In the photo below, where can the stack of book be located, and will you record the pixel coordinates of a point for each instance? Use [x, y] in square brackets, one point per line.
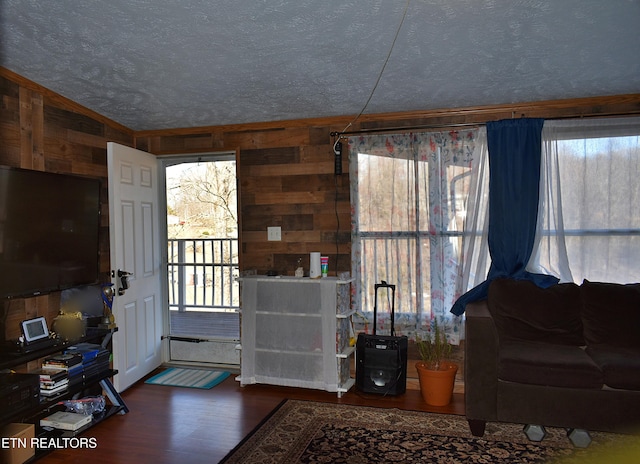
[95, 358]
[71, 363]
[53, 381]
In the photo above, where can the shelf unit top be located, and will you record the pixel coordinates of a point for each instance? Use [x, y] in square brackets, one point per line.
[9, 359]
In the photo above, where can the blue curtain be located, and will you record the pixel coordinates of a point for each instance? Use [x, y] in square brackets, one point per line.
[515, 147]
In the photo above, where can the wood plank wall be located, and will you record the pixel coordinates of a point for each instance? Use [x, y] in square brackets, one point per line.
[286, 171]
[286, 179]
[43, 131]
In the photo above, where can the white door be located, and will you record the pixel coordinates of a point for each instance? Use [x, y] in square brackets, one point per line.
[135, 248]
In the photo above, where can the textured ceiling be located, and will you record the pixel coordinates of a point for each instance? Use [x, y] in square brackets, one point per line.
[155, 64]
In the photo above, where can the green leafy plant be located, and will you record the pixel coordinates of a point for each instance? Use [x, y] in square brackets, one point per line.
[434, 348]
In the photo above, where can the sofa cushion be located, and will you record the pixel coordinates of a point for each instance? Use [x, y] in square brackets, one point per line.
[524, 311]
[611, 313]
[620, 366]
[547, 364]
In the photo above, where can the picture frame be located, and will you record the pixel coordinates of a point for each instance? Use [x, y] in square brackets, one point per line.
[35, 330]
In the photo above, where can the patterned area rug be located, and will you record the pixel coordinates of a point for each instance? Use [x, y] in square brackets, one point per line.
[310, 432]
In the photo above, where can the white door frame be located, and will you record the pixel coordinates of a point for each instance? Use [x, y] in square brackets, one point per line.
[164, 162]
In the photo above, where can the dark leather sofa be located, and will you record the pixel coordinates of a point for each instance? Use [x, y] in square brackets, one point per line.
[565, 356]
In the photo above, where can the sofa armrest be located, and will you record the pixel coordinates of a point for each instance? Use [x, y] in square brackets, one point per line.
[481, 363]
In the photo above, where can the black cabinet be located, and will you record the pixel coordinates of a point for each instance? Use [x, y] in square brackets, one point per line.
[22, 407]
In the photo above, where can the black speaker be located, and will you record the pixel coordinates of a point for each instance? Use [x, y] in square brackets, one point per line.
[381, 364]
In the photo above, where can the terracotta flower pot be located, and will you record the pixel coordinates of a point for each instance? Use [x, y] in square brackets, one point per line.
[437, 386]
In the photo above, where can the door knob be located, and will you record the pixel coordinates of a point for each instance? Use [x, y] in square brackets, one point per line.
[124, 280]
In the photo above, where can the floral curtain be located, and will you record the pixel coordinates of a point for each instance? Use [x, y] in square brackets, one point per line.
[417, 216]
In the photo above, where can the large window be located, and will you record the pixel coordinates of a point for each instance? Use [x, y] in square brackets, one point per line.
[410, 201]
[590, 221]
[419, 217]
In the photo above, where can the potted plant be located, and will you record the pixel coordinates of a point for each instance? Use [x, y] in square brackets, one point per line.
[436, 372]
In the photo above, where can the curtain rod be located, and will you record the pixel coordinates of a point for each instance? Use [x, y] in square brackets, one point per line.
[406, 128]
[465, 124]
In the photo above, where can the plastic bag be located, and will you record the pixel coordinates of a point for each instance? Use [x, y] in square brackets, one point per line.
[86, 406]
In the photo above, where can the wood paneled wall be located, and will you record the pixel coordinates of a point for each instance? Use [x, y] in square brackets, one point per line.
[43, 131]
[286, 179]
[286, 171]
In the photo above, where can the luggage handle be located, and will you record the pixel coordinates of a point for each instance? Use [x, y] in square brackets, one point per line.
[384, 284]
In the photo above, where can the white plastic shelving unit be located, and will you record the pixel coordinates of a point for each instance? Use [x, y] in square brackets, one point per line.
[296, 332]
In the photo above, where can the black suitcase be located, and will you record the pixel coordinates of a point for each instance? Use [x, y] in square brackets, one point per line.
[381, 361]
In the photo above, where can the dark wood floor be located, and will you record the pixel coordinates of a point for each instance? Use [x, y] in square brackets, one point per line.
[185, 425]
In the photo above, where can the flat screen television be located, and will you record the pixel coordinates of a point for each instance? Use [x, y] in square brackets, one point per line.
[49, 226]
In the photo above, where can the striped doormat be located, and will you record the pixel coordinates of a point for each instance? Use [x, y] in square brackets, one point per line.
[191, 378]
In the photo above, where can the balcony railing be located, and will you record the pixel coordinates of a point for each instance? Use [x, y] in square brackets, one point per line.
[203, 274]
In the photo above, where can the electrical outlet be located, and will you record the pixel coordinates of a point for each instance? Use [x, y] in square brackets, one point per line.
[274, 234]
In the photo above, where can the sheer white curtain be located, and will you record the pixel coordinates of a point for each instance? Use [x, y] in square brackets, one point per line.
[475, 248]
[418, 214]
[589, 215]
